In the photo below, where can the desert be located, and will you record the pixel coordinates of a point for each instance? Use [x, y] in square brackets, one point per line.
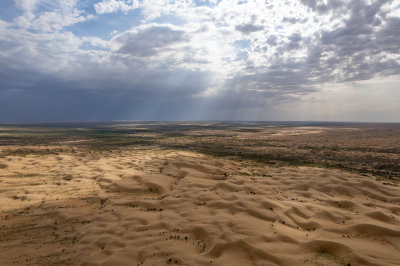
[200, 193]
[199, 132]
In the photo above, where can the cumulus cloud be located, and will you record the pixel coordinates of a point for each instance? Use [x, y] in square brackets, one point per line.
[295, 40]
[149, 41]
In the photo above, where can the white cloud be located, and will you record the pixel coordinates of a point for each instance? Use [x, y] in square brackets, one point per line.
[49, 16]
[151, 8]
[111, 6]
[27, 5]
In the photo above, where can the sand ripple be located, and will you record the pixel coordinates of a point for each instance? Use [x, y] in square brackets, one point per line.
[189, 209]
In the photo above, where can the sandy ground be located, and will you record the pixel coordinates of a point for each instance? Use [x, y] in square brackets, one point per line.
[153, 207]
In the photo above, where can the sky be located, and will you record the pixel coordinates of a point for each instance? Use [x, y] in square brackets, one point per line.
[289, 60]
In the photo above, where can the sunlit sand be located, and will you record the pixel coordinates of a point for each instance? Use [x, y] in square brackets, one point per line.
[218, 195]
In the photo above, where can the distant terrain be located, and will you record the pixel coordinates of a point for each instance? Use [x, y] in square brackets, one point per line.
[200, 193]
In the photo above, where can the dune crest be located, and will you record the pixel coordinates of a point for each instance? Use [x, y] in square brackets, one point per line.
[161, 208]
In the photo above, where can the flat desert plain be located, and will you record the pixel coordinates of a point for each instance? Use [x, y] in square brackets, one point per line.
[200, 194]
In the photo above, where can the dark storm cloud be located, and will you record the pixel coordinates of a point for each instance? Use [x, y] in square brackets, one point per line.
[248, 28]
[140, 95]
[149, 41]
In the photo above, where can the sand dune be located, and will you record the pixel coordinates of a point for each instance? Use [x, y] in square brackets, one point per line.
[134, 207]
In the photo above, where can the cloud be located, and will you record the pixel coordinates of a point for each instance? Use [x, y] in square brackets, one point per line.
[111, 6]
[188, 59]
[295, 40]
[149, 41]
[389, 36]
[150, 8]
[272, 40]
[49, 16]
[248, 28]
[28, 5]
[360, 47]
[139, 94]
[309, 3]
